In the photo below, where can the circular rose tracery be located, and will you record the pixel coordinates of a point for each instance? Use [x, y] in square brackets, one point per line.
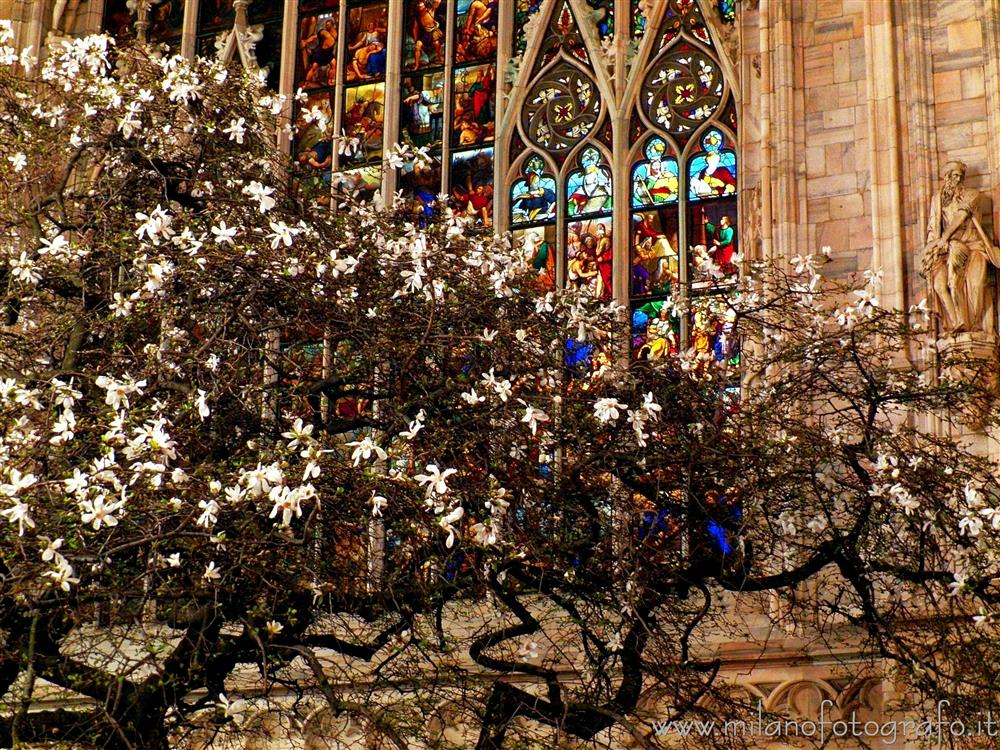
[682, 90]
[561, 109]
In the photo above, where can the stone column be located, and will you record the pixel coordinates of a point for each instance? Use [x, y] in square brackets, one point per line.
[884, 150]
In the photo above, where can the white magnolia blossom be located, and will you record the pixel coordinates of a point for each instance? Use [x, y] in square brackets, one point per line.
[224, 234]
[365, 449]
[533, 417]
[235, 710]
[25, 269]
[472, 398]
[262, 479]
[299, 435]
[236, 130]
[447, 523]
[99, 512]
[19, 513]
[209, 516]
[19, 161]
[201, 404]
[607, 410]
[288, 502]
[118, 392]
[484, 533]
[435, 480]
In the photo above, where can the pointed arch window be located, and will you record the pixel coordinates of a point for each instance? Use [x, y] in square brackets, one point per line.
[685, 183]
[674, 159]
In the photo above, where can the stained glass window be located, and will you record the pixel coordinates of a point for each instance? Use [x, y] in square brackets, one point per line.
[166, 21]
[476, 30]
[533, 195]
[684, 183]
[655, 178]
[589, 188]
[431, 74]
[472, 184]
[118, 19]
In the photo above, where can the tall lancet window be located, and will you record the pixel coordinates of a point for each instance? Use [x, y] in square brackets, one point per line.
[621, 162]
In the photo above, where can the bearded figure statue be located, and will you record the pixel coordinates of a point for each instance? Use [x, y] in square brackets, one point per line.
[64, 16]
[958, 256]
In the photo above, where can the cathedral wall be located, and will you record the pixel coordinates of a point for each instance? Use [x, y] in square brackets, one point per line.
[832, 76]
[851, 110]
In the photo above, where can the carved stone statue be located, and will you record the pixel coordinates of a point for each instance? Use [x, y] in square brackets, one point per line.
[958, 255]
[64, 16]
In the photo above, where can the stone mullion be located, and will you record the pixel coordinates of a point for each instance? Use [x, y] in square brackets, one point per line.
[885, 149]
[449, 103]
[501, 141]
[189, 29]
[783, 98]
[393, 78]
[991, 39]
[338, 96]
[619, 112]
[766, 141]
[286, 79]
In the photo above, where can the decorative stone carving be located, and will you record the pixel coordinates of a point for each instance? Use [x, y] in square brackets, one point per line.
[64, 17]
[958, 255]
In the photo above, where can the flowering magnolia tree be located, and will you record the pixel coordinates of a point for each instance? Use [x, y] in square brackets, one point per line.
[263, 461]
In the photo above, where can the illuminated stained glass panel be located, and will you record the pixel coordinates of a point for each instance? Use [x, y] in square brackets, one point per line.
[683, 89]
[712, 229]
[316, 64]
[420, 182]
[655, 256]
[523, 11]
[727, 10]
[589, 254]
[421, 108]
[533, 194]
[589, 188]
[365, 47]
[638, 21]
[313, 148]
[602, 14]
[360, 183]
[476, 30]
[314, 119]
[712, 171]
[537, 245]
[561, 109]
[166, 21]
[655, 178]
[474, 105]
[712, 335]
[364, 113]
[683, 15]
[118, 19]
[472, 185]
[424, 34]
[563, 34]
[656, 330]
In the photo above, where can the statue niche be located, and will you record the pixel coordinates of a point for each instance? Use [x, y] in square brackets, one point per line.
[957, 257]
[956, 263]
[64, 17]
